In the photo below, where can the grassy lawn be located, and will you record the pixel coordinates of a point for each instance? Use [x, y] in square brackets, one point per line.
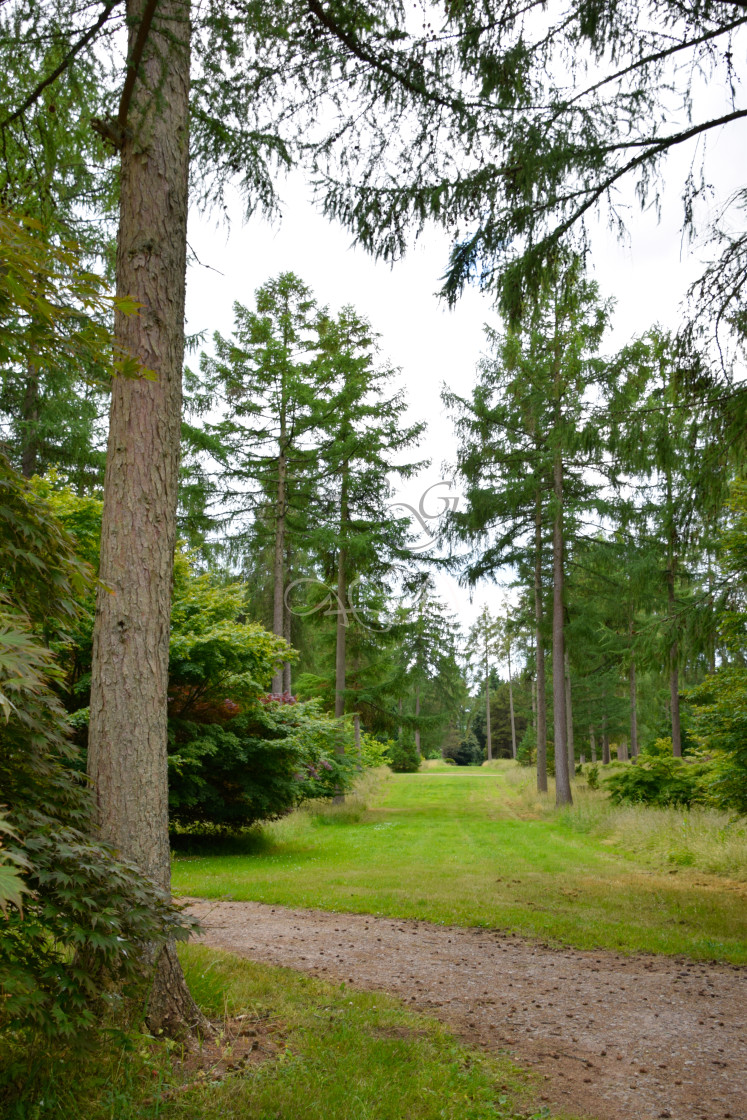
[329, 1054]
[478, 847]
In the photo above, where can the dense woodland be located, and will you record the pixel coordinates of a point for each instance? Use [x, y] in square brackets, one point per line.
[210, 601]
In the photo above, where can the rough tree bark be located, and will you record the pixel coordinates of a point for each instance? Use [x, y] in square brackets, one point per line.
[674, 682]
[539, 646]
[342, 592]
[592, 744]
[674, 676]
[127, 738]
[632, 684]
[340, 653]
[287, 631]
[357, 736]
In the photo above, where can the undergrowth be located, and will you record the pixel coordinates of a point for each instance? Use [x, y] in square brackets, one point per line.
[325, 1053]
[703, 839]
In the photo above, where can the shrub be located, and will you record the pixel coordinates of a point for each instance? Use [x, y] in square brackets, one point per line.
[660, 780]
[720, 726]
[257, 765]
[464, 751]
[404, 757]
[375, 753]
[76, 918]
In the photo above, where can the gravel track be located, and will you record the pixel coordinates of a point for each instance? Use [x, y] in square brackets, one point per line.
[616, 1038]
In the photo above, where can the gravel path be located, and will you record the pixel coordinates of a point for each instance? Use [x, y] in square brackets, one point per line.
[616, 1038]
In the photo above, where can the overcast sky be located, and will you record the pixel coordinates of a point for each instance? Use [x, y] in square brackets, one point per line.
[648, 278]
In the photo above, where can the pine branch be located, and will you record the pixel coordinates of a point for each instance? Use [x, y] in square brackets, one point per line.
[75, 50]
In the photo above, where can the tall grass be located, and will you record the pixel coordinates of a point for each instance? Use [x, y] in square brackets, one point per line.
[702, 839]
[352, 810]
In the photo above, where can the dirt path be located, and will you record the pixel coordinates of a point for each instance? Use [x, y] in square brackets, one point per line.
[617, 1038]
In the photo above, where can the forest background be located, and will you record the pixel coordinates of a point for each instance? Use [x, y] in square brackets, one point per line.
[602, 480]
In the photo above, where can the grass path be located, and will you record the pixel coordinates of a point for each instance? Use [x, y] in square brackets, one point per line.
[469, 848]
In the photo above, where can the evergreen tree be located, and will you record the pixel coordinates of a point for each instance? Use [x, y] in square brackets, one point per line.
[266, 380]
[357, 538]
[529, 436]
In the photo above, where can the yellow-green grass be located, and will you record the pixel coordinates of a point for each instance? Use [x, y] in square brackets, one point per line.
[337, 1055]
[480, 848]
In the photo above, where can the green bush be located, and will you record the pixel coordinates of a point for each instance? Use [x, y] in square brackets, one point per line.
[592, 776]
[660, 780]
[404, 758]
[76, 918]
[255, 766]
[375, 753]
[720, 726]
[464, 751]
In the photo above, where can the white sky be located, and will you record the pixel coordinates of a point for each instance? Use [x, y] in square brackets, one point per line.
[432, 345]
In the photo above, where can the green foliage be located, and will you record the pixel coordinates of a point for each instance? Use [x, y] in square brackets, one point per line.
[720, 726]
[403, 756]
[255, 766]
[463, 749]
[660, 779]
[592, 777]
[77, 918]
[374, 752]
[236, 757]
[719, 703]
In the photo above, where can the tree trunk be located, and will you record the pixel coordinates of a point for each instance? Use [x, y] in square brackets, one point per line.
[287, 632]
[511, 701]
[129, 677]
[534, 713]
[30, 426]
[278, 566]
[592, 744]
[563, 794]
[417, 714]
[342, 619]
[674, 682]
[287, 679]
[342, 592]
[605, 746]
[622, 749]
[340, 659]
[633, 711]
[569, 719]
[488, 729]
[539, 649]
[674, 700]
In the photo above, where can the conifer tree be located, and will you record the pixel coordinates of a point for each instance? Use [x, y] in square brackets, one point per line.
[363, 435]
[529, 435]
[267, 381]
